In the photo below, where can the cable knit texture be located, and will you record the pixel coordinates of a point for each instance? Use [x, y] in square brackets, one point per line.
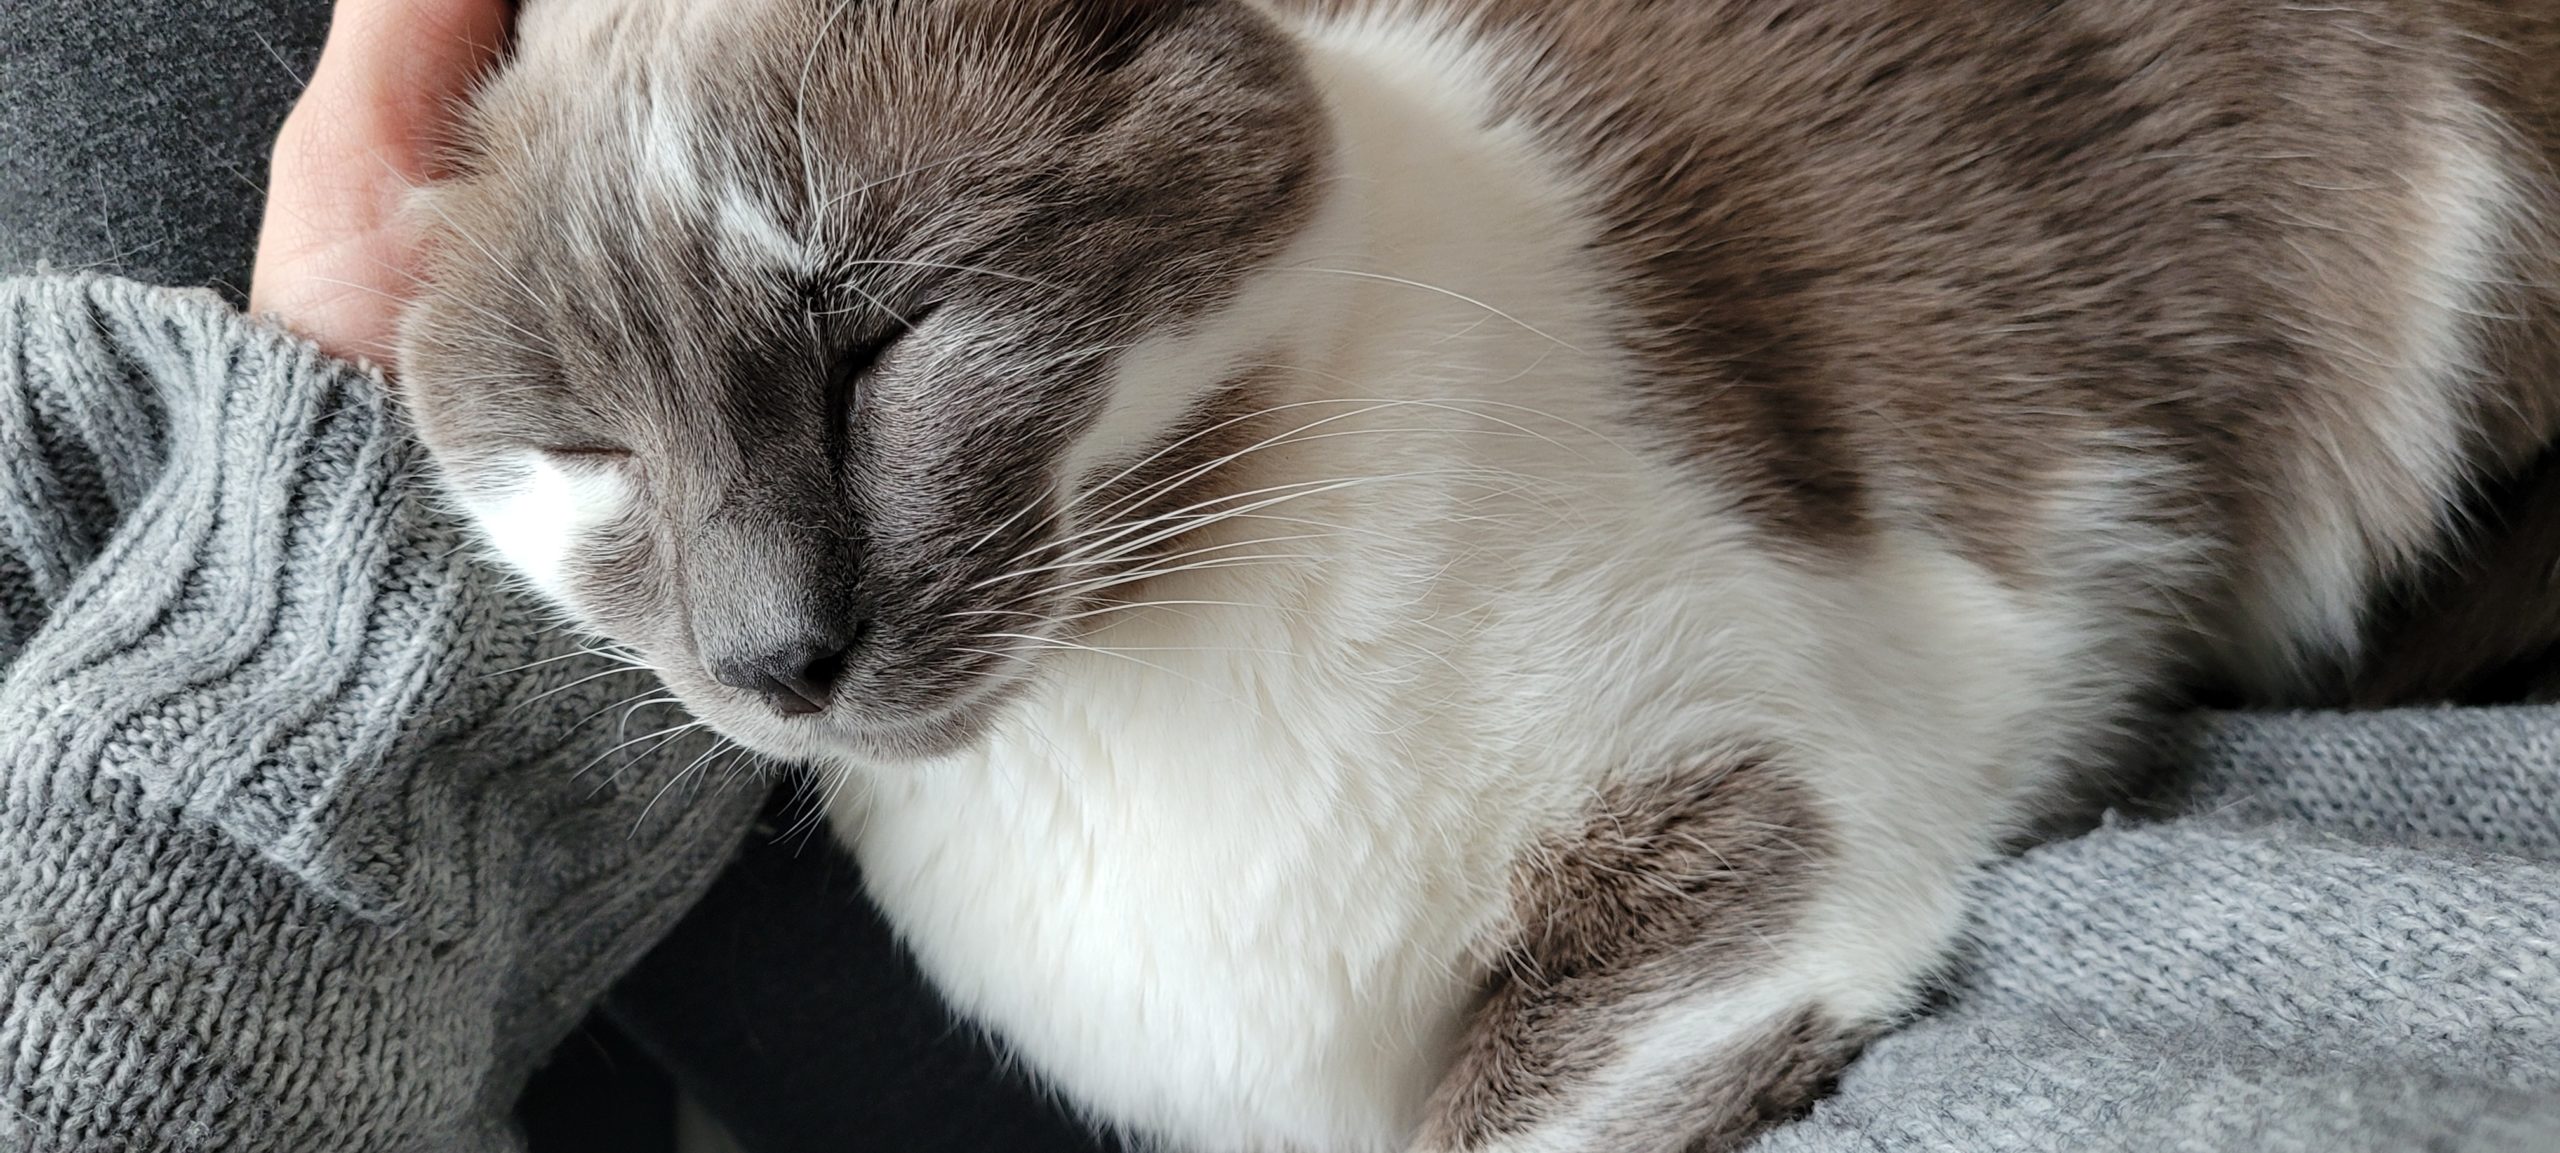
[312, 836]
[2343, 936]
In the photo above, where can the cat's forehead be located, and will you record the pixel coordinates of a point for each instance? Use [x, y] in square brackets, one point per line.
[842, 80]
[658, 203]
[778, 127]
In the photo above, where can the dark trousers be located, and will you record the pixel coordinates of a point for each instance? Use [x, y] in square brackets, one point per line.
[133, 139]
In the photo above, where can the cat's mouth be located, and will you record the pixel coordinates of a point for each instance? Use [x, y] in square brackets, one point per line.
[876, 727]
[872, 740]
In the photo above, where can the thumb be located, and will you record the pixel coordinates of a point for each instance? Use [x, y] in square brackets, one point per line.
[333, 261]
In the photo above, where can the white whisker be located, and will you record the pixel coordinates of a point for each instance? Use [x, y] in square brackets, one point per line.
[1461, 297]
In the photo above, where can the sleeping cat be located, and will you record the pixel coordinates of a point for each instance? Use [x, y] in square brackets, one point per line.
[1476, 574]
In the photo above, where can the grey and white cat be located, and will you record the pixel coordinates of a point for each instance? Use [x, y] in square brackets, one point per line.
[1476, 574]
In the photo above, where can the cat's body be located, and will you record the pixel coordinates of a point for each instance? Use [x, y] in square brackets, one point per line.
[1477, 574]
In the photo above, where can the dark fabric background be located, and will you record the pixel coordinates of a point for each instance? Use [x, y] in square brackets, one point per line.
[787, 1009]
[133, 133]
[133, 139]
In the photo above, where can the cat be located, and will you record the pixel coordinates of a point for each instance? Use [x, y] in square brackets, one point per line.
[1476, 574]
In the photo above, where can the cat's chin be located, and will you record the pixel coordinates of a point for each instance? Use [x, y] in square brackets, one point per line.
[917, 741]
[916, 732]
[876, 742]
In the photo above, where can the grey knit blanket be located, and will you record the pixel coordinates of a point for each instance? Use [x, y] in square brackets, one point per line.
[2343, 937]
[314, 839]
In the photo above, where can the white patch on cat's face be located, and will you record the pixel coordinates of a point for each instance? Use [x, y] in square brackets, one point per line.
[749, 226]
[662, 143]
[537, 522]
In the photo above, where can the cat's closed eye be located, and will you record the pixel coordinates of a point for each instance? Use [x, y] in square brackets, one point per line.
[853, 361]
[585, 453]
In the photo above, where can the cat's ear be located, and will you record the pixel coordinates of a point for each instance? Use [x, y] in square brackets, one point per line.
[1118, 30]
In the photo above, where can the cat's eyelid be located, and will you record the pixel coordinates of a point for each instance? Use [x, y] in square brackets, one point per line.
[591, 454]
[900, 327]
[849, 364]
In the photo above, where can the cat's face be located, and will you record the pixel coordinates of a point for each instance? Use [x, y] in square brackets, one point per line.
[781, 340]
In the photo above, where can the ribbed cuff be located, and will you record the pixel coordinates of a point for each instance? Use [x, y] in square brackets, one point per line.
[301, 806]
[270, 622]
[164, 988]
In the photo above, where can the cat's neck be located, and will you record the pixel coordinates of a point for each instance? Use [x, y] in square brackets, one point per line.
[1451, 257]
[1435, 343]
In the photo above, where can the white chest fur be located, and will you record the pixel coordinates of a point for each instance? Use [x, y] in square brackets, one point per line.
[1230, 874]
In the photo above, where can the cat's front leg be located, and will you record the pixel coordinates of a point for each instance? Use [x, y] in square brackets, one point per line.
[1679, 977]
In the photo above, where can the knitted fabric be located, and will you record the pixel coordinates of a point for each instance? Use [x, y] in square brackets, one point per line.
[2345, 939]
[312, 837]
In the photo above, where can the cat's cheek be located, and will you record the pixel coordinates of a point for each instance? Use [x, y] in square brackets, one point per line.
[540, 517]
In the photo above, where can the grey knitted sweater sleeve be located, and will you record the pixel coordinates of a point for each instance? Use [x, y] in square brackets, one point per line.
[312, 837]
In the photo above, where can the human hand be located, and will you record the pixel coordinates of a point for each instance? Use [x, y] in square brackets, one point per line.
[335, 259]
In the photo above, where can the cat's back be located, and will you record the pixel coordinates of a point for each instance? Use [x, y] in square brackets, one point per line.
[2251, 289]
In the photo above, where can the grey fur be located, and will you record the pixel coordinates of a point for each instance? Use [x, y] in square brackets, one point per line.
[1673, 885]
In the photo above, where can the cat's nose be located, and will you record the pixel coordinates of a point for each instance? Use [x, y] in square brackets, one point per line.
[797, 679]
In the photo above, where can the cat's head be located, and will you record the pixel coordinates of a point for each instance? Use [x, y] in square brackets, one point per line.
[796, 343]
